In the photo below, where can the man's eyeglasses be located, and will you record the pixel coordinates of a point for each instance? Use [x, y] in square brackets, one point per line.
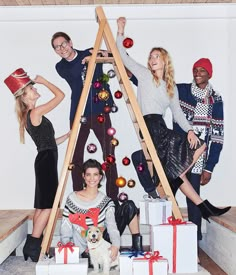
[62, 46]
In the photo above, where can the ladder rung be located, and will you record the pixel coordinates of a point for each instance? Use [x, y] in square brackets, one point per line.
[101, 59]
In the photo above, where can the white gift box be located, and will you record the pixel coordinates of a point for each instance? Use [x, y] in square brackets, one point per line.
[142, 267]
[126, 262]
[154, 211]
[66, 254]
[50, 267]
[178, 244]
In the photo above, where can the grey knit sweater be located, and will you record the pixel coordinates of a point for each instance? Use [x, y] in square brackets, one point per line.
[152, 99]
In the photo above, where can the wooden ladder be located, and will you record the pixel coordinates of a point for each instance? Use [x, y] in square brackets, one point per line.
[104, 32]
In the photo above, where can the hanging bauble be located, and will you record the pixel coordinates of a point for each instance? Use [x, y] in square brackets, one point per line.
[105, 166]
[111, 131]
[105, 78]
[91, 148]
[111, 73]
[107, 109]
[83, 120]
[115, 142]
[114, 108]
[101, 118]
[103, 95]
[120, 182]
[126, 161]
[110, 159]
[122, 197]
[140, 167]
[97, 84]
[118, 94]
[71, 166]
[96, 99]
[131, 183]
[128, 42]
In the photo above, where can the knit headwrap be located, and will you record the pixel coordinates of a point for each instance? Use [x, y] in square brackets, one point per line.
[204, 63]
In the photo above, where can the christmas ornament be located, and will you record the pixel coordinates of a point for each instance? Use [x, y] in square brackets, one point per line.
[105, 166]
[131, 183]
[111, 73]
[91, 148]
[83, 120]
[118, 94]
[101, 118]
[140, 167]
[97, 84]
[115, 142]
[126, 161]
[110, 159]
[114, 108]
[104, 78]
[107, 109]
[128, 42]
[111, 131]
[103, 95]
[71, 166]
[120, 182]
[96, 99]
[122, 197]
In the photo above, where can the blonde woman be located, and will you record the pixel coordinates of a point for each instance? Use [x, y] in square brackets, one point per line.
[31, 118]
[156, 92]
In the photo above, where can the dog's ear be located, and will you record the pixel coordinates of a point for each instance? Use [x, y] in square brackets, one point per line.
[84, 233]
[101, 228]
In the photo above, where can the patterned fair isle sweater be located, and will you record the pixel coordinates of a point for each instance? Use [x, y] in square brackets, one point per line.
[75, 233]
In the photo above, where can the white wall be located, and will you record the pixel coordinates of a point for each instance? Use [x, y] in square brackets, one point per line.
[189, 32]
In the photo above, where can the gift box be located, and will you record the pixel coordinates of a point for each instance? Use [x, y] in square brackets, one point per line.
[50, 267]
[176, 241]
[126, 261]
[66, 253]
[150, 264]
[154, 211]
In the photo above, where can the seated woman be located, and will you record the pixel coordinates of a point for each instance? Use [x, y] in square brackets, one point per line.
[105, 213]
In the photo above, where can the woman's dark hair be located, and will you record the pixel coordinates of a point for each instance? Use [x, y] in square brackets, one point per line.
[93, 163]
[60, 34]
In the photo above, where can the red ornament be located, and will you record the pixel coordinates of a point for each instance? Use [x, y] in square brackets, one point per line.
[118, 94]
[91, 148]
[122, 197]
[101, 118]
[110, 159]
[111, 131]
[107, 109]
[126, 161]
[120, 182]
[114, 142]
[128, 42]
[97, 84]
[140, 167]
[131, 183]
[105, 166]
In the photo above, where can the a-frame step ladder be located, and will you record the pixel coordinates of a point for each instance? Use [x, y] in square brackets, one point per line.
[104, 32]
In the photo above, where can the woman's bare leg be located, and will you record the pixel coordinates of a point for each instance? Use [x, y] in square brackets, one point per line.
[134, 225]
[40, 221]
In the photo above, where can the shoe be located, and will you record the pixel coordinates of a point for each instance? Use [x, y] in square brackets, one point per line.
[208, 210]
[154, 194]
[32, 248]
[137, 242]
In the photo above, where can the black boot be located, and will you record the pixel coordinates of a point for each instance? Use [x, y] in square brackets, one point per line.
[137, 243]
[86, 255]
[207, 210]
[32, 248]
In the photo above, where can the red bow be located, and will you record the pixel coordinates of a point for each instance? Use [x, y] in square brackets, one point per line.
[62, 246]
[175, 222]
[80, 218]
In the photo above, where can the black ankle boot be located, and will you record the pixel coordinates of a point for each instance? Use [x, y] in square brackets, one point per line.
[32, 248]
[207, 210]
[137, 242]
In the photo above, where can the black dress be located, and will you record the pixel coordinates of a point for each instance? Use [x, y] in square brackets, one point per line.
[45, 162]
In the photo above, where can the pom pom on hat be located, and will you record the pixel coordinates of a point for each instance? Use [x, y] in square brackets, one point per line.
[204, 63]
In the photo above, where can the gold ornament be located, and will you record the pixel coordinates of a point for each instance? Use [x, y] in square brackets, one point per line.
[131, 183]
[120, 182]
[103, 95]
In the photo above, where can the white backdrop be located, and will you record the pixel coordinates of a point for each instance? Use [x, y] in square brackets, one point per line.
[188, 32]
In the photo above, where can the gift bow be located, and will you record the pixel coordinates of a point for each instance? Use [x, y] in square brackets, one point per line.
[80, 218]
[174, 222]
[151, 257]
[65, 247]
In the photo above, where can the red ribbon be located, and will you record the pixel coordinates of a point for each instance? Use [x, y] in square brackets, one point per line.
[65, 247]
[151, 257]
[173, 222]
[80, 218]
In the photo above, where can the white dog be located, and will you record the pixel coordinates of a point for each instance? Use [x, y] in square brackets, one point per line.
[99, 251]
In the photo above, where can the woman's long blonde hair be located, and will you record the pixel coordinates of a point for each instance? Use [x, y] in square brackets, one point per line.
[168, 75]
[21, 109]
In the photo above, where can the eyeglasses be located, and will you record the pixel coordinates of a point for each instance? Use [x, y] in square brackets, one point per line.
[57, 48]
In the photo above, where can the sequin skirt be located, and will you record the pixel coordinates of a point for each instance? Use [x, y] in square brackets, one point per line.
[46, 179]
[173, 149]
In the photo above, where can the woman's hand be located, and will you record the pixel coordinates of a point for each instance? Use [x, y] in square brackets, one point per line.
[39, 79]
[114, 252]
[121, 22]
[193, 139]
